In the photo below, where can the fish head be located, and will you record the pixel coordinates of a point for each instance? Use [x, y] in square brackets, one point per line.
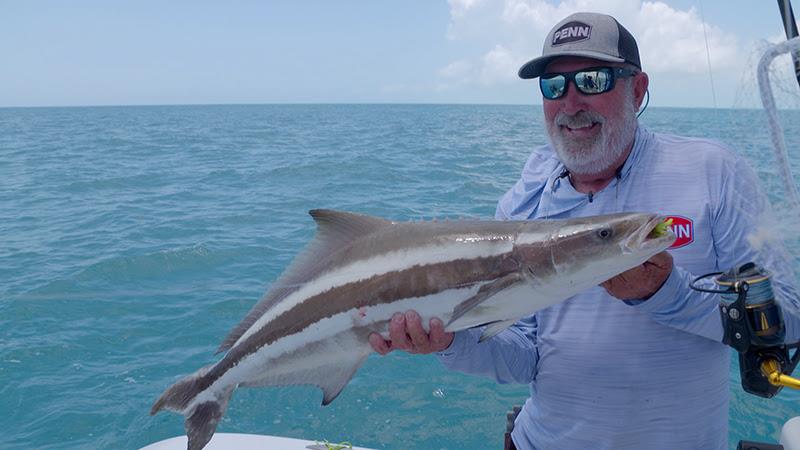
[590, 250]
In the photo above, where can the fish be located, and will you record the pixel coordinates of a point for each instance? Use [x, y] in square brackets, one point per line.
[312, 325]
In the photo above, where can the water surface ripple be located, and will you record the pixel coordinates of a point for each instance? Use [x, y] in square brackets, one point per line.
[134, 238]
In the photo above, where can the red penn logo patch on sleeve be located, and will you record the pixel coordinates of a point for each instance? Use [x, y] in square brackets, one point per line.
[683, 228]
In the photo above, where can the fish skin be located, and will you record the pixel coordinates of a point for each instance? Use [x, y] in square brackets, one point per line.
[312, 326]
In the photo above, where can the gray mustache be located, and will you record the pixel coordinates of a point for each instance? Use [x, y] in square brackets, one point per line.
[581, 119]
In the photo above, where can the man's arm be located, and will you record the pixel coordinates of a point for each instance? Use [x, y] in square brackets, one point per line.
[740, 234]
[509, 357]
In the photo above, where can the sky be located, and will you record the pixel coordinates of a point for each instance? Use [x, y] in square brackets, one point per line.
[144, 52]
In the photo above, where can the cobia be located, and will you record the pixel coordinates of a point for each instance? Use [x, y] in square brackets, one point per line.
[312, 326]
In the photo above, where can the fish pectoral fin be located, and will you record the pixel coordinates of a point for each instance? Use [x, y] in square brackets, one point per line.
[484, 293]
[495, 327]
[333, 381]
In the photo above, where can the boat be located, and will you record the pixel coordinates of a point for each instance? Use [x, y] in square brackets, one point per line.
[240, 441]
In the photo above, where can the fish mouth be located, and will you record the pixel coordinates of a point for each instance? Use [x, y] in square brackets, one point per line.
[654, 235]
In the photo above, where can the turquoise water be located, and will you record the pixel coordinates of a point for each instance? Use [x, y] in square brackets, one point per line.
[133, 238]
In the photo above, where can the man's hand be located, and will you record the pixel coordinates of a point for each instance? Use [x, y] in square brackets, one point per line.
[641, 282]
[406, 333]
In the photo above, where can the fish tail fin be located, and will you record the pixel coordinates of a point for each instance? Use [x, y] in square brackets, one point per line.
[178, 396]
[202, 422]
[201, 418]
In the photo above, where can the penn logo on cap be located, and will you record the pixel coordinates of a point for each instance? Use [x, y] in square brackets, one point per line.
[572, 32]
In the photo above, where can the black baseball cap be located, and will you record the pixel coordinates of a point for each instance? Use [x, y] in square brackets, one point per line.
[590, 35]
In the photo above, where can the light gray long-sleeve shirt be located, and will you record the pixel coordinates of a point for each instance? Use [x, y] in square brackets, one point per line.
[607, 374]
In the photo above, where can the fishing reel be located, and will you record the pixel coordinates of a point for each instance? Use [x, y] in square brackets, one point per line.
[754, 327]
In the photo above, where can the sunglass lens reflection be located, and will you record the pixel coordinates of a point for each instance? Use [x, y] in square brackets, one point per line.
[553, 87]
[593, 82]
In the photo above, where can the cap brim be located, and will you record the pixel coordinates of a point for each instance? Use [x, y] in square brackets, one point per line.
[535, 67]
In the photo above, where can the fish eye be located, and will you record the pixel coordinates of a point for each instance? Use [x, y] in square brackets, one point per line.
[604, 233]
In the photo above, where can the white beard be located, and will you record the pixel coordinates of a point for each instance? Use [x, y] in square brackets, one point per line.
[594, 155]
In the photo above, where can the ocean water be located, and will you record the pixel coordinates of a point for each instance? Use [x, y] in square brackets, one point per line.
[133, 238]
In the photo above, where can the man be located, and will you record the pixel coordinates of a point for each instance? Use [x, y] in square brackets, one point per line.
[649, 371]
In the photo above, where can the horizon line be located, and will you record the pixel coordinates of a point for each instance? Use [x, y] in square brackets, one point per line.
[134, 105]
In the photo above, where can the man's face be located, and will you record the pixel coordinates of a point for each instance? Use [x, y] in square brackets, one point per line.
[591, 133]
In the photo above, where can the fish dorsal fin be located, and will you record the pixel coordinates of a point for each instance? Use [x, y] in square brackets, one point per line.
[335, 230]
[339, 227]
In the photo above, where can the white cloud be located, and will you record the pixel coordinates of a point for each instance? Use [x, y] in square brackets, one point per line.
[499, 64]
[675, 41]
[456, 69]
[507, 33]
[455, 74]
[460, 7]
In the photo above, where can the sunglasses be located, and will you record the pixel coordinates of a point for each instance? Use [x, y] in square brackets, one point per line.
[592, 81]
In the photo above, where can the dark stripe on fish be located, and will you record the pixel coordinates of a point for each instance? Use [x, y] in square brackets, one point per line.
[416, 281]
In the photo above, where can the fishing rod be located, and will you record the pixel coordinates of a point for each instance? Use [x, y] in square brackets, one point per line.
[790, 26]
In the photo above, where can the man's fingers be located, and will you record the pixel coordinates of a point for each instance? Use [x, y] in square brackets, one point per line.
[440, 339]
[397, 332]
[662, 260]
[643, 281]
[418, 335]
[407, 333]
[379, 344]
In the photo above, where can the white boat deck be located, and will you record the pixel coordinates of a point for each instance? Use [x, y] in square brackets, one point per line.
[230, 441]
